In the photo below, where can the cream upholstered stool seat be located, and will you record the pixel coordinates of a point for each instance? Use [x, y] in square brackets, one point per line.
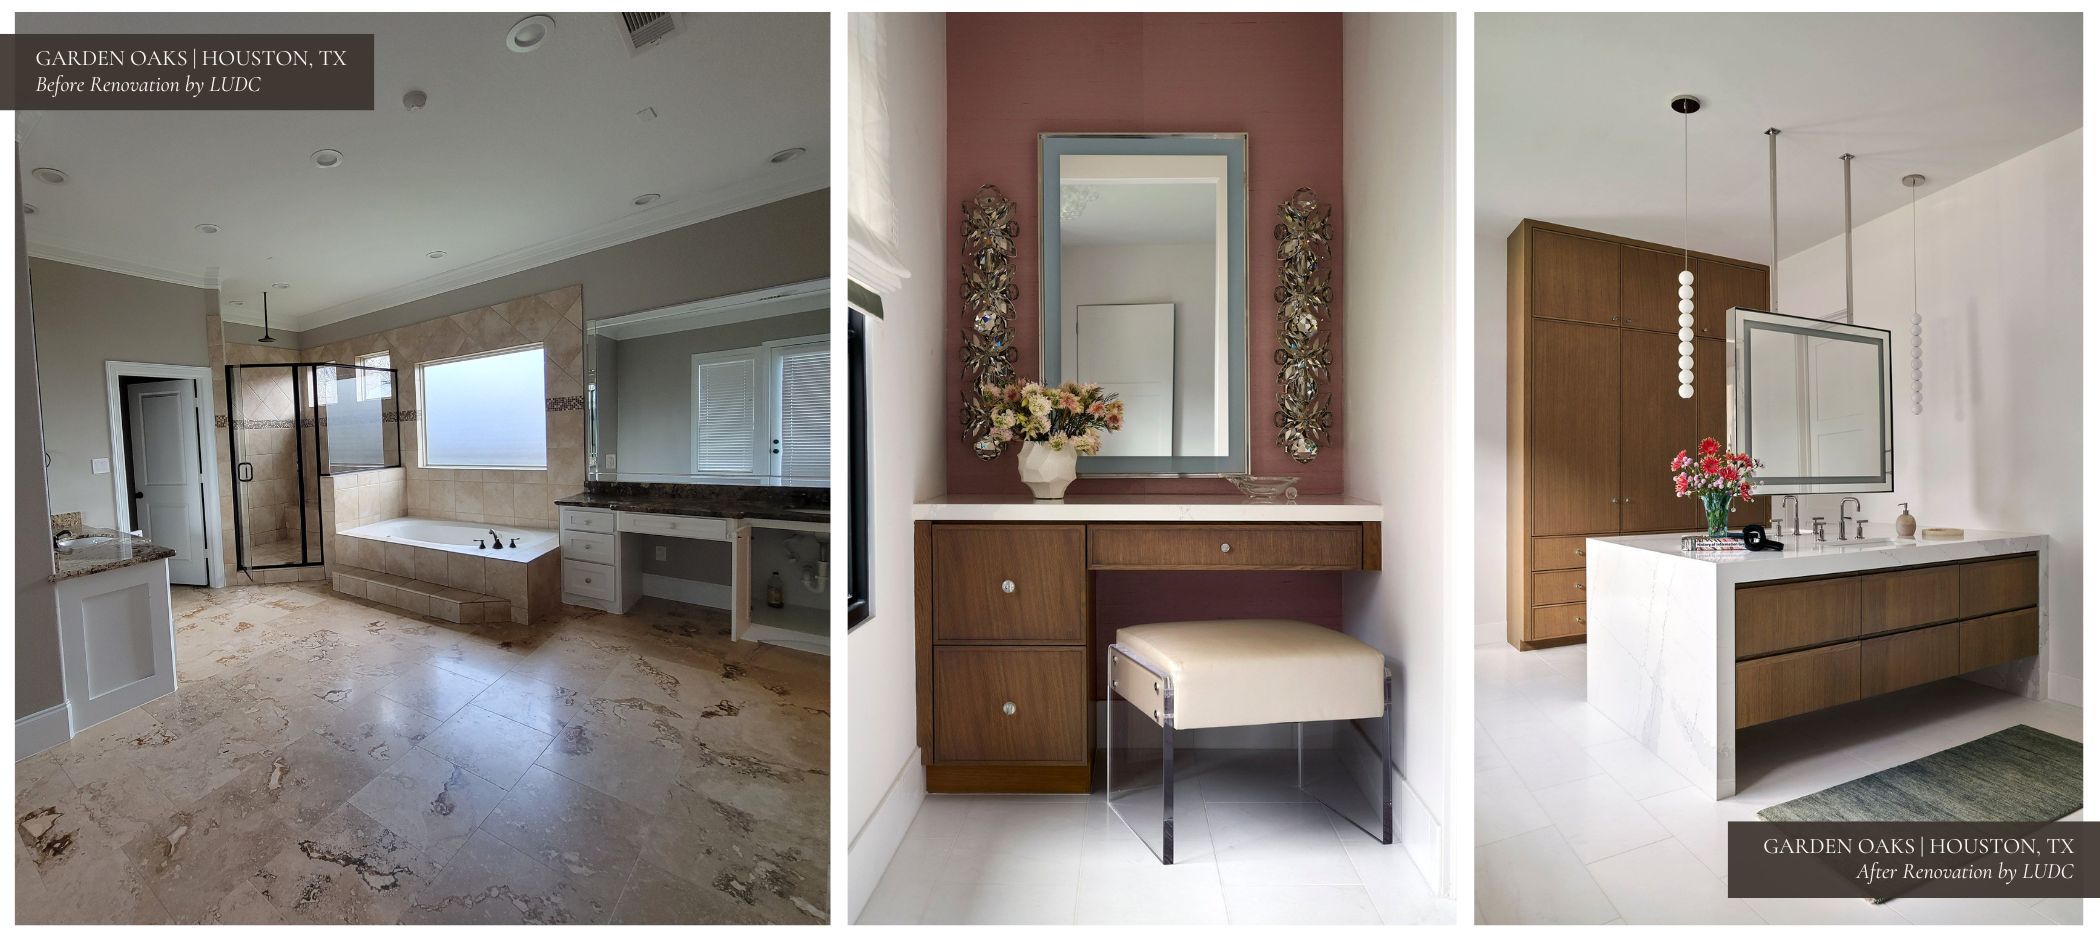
[1236, 672]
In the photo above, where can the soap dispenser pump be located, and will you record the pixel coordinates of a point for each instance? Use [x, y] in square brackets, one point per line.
[1906, 526]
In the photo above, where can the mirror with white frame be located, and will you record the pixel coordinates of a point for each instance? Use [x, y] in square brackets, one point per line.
[1809, 398]
[734, 390]
[1144, 240]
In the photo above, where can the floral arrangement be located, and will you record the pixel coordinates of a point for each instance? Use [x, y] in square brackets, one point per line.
[1715, 477]
[1067, 415]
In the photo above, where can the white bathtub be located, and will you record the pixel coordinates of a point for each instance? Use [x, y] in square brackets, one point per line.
[459, 537]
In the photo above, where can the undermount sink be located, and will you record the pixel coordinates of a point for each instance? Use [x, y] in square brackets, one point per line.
[1858, 543]
[72, 542]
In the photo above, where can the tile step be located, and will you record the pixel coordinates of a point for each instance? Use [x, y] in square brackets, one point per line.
[421, 597]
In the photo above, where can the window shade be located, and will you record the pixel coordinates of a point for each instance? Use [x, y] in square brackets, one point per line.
[871, 212]
[805, 415]
[725, 432]
[487, 412]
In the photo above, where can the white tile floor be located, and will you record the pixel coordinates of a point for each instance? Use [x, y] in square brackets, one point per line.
[1249, 851]
[1576, 824]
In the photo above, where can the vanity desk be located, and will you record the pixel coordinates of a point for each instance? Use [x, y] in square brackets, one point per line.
[1686, 648]
[1007, 662]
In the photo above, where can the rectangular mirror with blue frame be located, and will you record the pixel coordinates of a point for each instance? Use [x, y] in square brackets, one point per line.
[1144, 279]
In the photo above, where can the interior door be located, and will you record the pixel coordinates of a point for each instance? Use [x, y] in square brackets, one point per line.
[167, 474]
[1128, 349]
[1654, 424]
[1574, 428]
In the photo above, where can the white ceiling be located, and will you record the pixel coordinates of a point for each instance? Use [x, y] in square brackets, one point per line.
[1574, 125]
[518, 159]
[1146, 213]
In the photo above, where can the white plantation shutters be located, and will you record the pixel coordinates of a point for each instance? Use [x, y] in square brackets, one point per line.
[805, 413]
[725, 412]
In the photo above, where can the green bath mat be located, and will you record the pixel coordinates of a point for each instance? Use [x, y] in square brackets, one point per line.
[2016, 774]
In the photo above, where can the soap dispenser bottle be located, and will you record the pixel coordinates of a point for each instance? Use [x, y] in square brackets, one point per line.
[776, 591]
[1906, 526]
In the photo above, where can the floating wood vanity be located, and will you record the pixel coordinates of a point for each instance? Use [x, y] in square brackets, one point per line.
[1006, 658]
[1687, 648]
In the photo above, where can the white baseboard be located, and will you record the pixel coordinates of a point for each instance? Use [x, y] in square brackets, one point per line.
[42, 730]
[2064, 688]
[1421, 836]
[876, 843]
[696, 592]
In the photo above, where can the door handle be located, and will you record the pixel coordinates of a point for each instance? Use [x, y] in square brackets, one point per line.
[244, 472]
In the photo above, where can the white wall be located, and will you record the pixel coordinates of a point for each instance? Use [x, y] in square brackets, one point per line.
[905, 368]
[1182, 274]
[1490, 434]
[2000, 288]
[1407, 443]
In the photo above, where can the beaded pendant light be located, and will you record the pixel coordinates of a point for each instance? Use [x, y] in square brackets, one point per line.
[1917, 321]
[1686, 105]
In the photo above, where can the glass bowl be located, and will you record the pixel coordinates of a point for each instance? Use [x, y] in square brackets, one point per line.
[1264, 488]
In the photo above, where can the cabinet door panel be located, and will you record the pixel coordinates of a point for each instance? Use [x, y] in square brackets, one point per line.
[1574, 278]
[974, 685]
[1716, 288]
[1574, 428]
[1009, 582]
[1654, 424]
[1783, 685]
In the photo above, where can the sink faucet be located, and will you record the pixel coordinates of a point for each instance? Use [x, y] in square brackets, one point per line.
[499, 538]
[1790, 502]
[1842, 516]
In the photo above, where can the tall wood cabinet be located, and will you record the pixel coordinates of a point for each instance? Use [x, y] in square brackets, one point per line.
[1594, 416]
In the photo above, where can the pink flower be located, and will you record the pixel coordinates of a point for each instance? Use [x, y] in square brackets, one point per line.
[1708, 447]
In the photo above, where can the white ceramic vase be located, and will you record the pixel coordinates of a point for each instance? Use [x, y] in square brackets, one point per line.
[1048, 471]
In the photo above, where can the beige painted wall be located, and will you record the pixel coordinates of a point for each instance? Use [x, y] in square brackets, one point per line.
[38, 685]
[84, 318]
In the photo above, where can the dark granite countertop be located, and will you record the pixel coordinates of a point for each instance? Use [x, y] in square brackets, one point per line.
[707, 501]
[121, 550]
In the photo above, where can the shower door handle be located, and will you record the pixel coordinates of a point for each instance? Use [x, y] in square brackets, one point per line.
[244, 472]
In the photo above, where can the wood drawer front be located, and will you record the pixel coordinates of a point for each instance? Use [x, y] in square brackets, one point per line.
[1046, 686]
[709, 529]
[1894, 662]
[1009, 583]
[1558, 553]
[587, 579]
[1795, 615]
[1558, 621]
[1900, 599]
[1563, 586]
[596, 548]
[2000, 638]
[1783, 685]
[586, 519]
[1225, 546]
[1994, 586]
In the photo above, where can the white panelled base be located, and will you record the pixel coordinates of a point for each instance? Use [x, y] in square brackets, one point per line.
[116, 633]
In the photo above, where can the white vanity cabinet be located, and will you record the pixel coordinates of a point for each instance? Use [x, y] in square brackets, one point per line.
[601, 561]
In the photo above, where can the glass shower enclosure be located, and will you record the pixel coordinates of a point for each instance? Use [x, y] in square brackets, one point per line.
[288, 426]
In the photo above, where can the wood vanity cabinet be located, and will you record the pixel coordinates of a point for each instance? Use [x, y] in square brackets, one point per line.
[1594, 416]
[1817, 642]
[1006, 651]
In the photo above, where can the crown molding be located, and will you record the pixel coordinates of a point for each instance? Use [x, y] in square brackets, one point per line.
[206, 278]
[667, 217]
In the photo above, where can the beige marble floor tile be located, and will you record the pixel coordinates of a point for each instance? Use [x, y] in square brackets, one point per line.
[638, 768]
[493, 883]
[533, 702]
[242, 905]
[347, 869]
[434, 690]
[428, 802]
[584, 834]
[572, 658]
[487, 745]
[381, 730]
[194, 857]
[654, 897]
[471, 656]
[752, 833]
[102, 886]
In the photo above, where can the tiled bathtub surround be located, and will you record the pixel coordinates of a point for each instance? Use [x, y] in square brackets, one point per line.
[355, 499]
[531, 587]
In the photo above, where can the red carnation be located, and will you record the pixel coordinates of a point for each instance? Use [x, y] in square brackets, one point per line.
[1708, 447]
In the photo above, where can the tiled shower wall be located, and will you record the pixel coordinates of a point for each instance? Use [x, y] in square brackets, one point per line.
[355, 499]
[503, 497]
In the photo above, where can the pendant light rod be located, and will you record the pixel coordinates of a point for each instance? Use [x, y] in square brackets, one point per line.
[1772, 158]
[266, 319]
[1850, 316]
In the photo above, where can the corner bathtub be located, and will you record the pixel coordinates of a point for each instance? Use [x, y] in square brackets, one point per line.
[459, 537]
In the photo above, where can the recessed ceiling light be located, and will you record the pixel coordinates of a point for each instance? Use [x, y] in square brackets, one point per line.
[47, 174]
[530, 33]
[434, 255]
[208, 229]
[414, 100]
[280, 286]
[236, 302]
[646, 198]
[28, 209]
[786, 155]
[328, 159]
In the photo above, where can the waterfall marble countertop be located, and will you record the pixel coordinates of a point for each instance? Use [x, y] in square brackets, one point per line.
[121, 550]
[1806, 556]
[695, 507]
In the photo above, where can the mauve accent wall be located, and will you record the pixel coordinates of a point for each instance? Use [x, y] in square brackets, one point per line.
[1275, 77]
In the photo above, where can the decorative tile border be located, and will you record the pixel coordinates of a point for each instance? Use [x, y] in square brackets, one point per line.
[398, 416]
[565, 403]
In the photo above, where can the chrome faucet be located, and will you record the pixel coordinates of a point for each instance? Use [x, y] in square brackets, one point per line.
[1819, 527]
[1789, 501]
[498, 538]
[1842, 516]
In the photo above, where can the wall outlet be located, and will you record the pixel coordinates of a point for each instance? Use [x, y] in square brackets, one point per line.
[662, 552]
[101, 466]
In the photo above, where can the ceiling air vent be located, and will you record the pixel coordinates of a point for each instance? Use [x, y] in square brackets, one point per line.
[647, 29]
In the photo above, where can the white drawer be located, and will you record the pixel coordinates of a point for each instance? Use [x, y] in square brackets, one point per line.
[587, 579]
[596, 548]
[713, 529]
[586, 519]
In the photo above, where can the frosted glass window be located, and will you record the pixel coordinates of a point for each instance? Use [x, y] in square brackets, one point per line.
[375, 385]
[486, 412]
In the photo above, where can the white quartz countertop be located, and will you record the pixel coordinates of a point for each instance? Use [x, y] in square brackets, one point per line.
[1307, 508]
[1806, 556]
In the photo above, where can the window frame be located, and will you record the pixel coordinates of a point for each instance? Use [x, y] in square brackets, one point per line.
[363, 377]
[423, 406]
[767, 360]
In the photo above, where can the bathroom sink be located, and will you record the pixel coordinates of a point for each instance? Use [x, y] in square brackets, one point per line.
[1863, 543]
[72, 542]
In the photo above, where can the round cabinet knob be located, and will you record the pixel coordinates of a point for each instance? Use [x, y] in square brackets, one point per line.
[1578, 551]
[1224, 548]
[1008, 709]
[1578, 586]
[588, 580]
[1006, 586]
[1578, 618]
